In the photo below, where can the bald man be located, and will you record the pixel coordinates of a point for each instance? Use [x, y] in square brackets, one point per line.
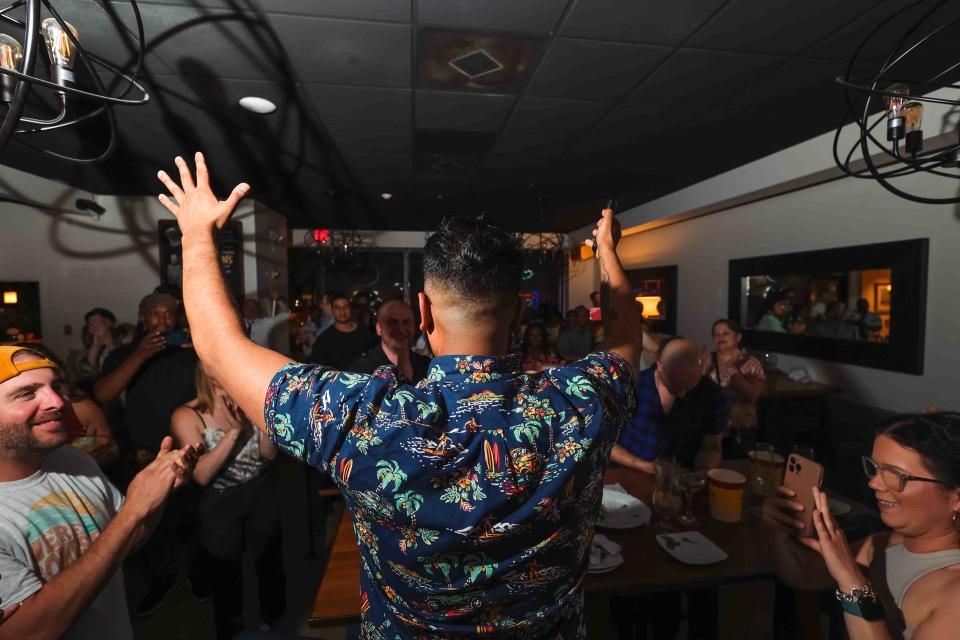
[396, 328]
[678, 413]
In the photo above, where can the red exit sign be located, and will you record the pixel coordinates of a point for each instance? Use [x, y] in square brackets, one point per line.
[321, 235]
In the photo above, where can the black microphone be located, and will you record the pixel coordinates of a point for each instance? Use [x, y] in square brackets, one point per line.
[611, 204]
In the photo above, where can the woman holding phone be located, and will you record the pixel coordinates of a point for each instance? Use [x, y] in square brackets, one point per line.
[904, 582]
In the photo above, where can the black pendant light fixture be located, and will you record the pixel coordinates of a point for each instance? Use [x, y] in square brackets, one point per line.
[926, 32]
[61, 40]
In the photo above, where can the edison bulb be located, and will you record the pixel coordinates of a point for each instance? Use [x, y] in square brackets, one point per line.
[11, 57]
[896, 98]
[60, 49]
[913, 121]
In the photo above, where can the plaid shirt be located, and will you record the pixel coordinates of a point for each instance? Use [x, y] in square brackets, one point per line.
[645, 436]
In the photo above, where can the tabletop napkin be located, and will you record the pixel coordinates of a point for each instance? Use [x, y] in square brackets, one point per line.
[618, 488]
[608, 545]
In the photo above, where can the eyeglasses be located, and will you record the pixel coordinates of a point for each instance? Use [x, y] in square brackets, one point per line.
[895, 480]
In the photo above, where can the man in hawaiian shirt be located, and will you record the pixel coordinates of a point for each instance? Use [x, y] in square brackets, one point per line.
[473, 493]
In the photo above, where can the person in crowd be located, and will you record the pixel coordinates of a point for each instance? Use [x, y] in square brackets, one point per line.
[577, 340]
[463, 446]
[595, 299]
[65, 529]
[819, 308]
[832, 324]
[345, 341]
[156, 379]
[238, 504]
[259, 326]
[739, 374]
[319, 321]
[98, 341]
[866, 322]
[903, 582]
[795, 324]
[537, 353]
[773, 319]
[678, 370]
[397, 332]
[360, 310]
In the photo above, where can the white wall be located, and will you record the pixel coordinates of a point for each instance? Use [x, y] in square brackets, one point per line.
[839, 213]
[81, 263]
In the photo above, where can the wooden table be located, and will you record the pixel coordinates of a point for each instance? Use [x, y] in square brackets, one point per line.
[646, 568]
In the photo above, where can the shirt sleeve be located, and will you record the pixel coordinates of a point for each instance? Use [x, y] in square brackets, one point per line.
[18, 581]
[309, 410]
[603, 376]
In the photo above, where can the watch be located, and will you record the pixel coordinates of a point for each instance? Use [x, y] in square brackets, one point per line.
[863, 603]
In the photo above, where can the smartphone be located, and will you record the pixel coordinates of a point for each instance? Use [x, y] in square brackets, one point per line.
[802, 475]
[176, 338]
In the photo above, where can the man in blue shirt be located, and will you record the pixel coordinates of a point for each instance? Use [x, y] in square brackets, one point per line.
[474, 492]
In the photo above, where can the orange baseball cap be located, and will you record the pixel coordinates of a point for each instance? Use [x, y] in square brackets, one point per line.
[10, 369]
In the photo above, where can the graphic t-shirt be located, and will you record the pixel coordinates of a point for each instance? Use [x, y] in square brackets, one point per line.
[47, 521]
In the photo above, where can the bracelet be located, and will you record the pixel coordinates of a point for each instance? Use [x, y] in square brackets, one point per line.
[862, 603]
[865, 592]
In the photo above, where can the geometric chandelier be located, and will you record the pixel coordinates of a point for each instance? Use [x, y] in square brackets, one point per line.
[887, 96]
[76, 104]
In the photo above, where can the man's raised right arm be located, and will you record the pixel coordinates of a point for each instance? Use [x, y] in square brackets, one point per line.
[621, 317]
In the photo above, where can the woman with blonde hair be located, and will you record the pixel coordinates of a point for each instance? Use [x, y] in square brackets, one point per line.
[238, 503]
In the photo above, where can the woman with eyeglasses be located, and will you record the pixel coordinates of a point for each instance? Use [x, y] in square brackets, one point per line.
[904, 582]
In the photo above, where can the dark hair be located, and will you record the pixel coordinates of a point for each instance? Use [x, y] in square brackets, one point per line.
[99, 311]
[545, 345]
[337, 295]
[471, 258]
[733, 324]
[935, 436]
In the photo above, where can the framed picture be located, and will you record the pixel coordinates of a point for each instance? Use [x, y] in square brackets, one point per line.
[229, 241]
[881, 297]
[655, 288]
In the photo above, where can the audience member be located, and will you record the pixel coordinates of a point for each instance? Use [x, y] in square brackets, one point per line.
[98, 340]
[238, 504]
[795, 324]
[360, 310]
[904, 580]
[397, 332]
[394, 449]
[156, 379]
[867, 322]
[740, 374]
[64, 528]
[536, 353]
[833, 326]
[345, 341]
[259, 326]
[595, 299]
[772, 320]
[678, 370]
[577, 341]
[319, 320]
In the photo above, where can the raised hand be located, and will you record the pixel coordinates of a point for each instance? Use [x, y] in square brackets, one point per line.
[778, 512]
[193, 203]
[833, 546]
[607, 233]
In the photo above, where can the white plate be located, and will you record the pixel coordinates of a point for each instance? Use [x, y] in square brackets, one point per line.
[623, 511]
[838, 507]
[691, 547]
[609, 563]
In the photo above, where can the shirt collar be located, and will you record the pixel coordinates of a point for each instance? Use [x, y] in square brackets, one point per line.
[478, 368]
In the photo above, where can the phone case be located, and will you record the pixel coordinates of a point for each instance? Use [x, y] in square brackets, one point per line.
[802, 475]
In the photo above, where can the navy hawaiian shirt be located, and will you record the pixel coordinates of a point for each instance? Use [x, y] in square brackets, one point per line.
[473, 494]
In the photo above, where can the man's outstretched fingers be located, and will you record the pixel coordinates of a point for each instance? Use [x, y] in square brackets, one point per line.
[171, 186]
[169, 204]
[203, 176]
[239, 193]
[186, 180]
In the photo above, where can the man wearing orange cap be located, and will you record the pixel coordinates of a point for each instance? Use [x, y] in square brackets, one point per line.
[64, 529]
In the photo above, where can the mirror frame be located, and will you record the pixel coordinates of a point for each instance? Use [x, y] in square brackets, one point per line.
[907, 259]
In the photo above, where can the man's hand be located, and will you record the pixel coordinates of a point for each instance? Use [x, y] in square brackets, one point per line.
[607, 234]
[149, 489]
[195, 206]
[149, 346]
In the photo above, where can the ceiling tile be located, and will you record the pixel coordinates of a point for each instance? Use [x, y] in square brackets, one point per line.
[99, 33]
[462, 111]
[593, 70]
[628, 124]
[524, 151]
[776, 26]
[795, 77]
[367, 140]
[344, 52]
[636, 21]
[181, 36]
[389, 10]
[706, 76]
[382, 173]
[523, 16]
[361, 106]
[490, 62]
[551, 116]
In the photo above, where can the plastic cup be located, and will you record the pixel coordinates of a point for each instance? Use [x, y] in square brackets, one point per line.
[766, 471]
[726, 494]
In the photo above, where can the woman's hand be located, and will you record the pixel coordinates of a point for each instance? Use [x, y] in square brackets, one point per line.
[778, 512]
[832, 545]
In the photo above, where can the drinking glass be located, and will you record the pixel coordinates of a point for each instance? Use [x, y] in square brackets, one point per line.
[691, 482]
[766, 469]
[667, 501]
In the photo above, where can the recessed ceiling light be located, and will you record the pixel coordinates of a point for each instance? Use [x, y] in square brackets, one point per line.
[258, 105]
[386, 196]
